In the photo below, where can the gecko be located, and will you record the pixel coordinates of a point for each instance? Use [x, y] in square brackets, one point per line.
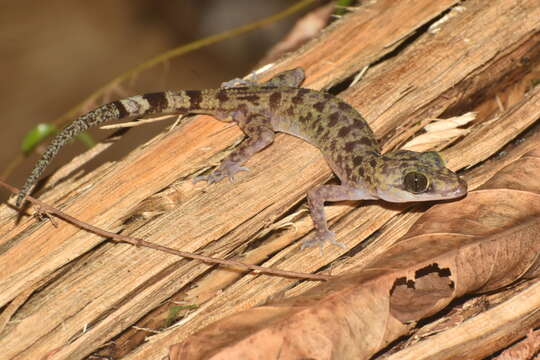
[344, 138]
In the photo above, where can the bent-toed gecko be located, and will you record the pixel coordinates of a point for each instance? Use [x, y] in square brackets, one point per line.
[280, 105]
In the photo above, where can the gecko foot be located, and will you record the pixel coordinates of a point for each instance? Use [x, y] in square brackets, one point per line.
[239, 82]
[226, 169]
[319, 238]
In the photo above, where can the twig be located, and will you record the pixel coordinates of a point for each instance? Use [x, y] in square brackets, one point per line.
[140, 242]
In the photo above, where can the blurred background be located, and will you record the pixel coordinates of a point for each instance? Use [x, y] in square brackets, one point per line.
[55, 53]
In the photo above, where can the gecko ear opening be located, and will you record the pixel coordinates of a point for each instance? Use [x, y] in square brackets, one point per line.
[415, 182]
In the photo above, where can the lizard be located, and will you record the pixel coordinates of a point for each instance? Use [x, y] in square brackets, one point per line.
[344, 138]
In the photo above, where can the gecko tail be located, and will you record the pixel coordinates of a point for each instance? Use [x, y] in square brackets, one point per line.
[97, 116]
[173, 102]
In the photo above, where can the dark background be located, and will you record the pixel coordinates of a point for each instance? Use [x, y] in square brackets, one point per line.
[55, 53]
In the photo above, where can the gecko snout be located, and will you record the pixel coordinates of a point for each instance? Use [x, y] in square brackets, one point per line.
[461, 188]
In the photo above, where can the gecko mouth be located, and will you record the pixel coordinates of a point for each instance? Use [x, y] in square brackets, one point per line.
[460, 190]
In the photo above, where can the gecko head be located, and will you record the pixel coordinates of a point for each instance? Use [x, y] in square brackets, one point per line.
[406, 176]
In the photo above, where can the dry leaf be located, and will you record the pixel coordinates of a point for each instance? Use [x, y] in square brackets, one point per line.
[481, 243]
[410, 299]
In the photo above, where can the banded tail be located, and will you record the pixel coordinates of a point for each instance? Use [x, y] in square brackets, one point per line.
[170, 102]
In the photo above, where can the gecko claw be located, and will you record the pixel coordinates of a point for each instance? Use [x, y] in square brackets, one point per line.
[224, 170]
[319, 238]
[240, 168]
[210, 178]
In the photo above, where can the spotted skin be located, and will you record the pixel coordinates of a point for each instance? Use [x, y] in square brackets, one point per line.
[280, 105]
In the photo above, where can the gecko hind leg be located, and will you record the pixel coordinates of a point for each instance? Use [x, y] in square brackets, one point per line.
[289, 78]
[259, 136]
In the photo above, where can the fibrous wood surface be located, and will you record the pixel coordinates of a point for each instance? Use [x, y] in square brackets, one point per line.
[428, 59]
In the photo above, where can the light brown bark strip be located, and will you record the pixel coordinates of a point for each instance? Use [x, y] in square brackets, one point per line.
[116, 285]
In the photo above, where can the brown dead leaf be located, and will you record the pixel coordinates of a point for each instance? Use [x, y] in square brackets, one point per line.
[409, 299]
[481, 243]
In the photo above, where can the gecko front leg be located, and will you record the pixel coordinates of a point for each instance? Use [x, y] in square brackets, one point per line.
[259, 136]
[257, 127]
[316, 199]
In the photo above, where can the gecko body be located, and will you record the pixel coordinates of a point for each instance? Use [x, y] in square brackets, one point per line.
[280, 105]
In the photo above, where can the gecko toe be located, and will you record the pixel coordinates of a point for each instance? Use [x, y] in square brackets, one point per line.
[197, 179]
[224, 170]
[231, 170]
[237, 83]
[213, 177]
[319, 238]
[338, 243]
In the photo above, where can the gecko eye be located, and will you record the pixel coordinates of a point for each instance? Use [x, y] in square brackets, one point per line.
[415, 182]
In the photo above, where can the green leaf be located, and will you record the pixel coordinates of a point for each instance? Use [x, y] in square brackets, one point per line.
[42, 131]
[86, 139]
[175, 310]
[36, 136]
[341, 5]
